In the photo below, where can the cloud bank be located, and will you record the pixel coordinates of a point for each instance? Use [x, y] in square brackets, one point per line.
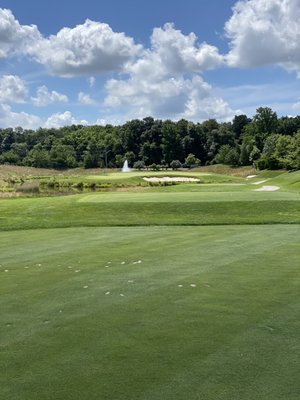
[264, 32]
[165, 80]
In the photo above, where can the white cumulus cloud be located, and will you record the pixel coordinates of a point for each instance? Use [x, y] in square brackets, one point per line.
[12, 89]
[164, 81]
[9, 118]
[265, 32]
[91, 81]
[92, 47]
[85, 98]
[181, 53]
[44, 97]
[14, 37]
[63, 119]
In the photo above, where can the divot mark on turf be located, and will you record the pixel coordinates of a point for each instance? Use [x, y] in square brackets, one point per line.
[123, 262]
[77, 270]
[85, 287]
[130, 281]
[180, 285]
[107, 293]
[193, 285]
[270, 328]
[6, 270]
[121, 294]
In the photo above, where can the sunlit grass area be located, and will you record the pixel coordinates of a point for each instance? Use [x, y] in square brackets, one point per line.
[186, 291]
[152, 312]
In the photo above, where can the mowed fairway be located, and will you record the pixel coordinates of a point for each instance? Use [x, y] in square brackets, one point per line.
[109, 305]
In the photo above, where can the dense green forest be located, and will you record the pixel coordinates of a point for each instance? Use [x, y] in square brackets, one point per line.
[264, 141]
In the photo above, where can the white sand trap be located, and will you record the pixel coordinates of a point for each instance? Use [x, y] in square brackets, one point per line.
[170, 179]
[259, 182]
[267, 189]
[250, 176]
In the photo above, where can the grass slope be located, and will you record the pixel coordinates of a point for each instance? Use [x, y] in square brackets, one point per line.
[130, 209]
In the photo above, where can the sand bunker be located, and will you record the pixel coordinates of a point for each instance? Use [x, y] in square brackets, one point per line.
[259, 182]
[170, 179]
[267, 189]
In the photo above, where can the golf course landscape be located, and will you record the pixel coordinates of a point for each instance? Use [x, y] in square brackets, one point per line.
[150, 290]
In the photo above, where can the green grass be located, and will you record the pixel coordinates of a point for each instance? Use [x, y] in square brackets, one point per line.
[233, 336]
[152, 208]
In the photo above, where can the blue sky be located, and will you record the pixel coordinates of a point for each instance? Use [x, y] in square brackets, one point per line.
[64, 62]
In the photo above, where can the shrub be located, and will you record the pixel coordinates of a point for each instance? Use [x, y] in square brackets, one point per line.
[154, 167]
[139, 165]
[175, 164]
[192, 161]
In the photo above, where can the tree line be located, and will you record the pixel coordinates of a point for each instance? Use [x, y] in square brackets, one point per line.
[265, 141]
